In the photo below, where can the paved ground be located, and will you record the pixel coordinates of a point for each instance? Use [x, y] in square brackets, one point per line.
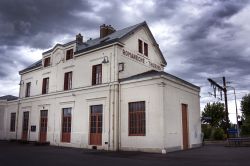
[14, 154]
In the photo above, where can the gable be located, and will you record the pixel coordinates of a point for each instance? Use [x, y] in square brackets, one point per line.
[144, 34]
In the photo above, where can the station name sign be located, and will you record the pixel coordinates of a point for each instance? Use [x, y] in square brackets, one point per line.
[140, 59]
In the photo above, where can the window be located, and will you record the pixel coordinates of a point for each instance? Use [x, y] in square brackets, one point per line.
[68, 81]
[45, 88]
[140, 46]
[66, 124]
[12, 122]
[46, 62]
[145, 49]
[97, 74]
[27, 92]
[69, 54]
[137, 121]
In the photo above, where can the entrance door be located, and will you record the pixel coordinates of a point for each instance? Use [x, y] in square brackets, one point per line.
[185, 126]
[66, 125]
[25, 125]
[43, 125]
[95, 125]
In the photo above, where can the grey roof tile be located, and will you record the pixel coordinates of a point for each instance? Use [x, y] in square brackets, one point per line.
[8, 98]
[33, 66]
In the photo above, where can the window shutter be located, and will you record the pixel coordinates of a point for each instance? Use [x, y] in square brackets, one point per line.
[66, 78]
[93, 75]
[44, 86]
[146, 49]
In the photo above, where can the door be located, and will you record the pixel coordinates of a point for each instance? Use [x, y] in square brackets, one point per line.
[66, 125]
[43, 125]
[95, 125]
[185, 126]
[25, 126]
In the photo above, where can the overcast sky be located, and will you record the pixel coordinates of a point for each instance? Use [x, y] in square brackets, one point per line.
[199, 38]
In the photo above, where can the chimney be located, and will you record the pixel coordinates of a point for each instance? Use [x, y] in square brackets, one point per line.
[106, 30]
[79, 39]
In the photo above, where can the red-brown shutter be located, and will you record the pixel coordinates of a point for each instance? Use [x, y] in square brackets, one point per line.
[93, 75]
[44, 86]
[146, 49]
[139, 46]
[66, 79]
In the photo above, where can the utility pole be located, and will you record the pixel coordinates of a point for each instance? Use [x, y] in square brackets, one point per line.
[224, 89]
[226, 105]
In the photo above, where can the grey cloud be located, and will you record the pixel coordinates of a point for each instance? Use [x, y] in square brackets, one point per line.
[215, 17]
[22, 20]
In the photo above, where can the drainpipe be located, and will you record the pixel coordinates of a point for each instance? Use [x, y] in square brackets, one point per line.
[109, 101]
[18, 106]
[119, 112]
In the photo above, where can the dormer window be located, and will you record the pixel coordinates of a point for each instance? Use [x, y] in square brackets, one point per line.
[46, 62]
[69, 54]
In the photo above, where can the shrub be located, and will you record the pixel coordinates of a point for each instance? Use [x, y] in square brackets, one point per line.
[207, 130]
[218, 134]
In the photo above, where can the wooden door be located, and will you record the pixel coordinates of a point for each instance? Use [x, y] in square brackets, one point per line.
[43, 125]
[66, 125]
[95, 125]
[25, 126]
[185, 126]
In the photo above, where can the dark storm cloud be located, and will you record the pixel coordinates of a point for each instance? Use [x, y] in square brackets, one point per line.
[33, 22]
[215, 17]
[210, 45]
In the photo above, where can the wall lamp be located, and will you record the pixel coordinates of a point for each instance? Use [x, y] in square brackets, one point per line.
[105, 60]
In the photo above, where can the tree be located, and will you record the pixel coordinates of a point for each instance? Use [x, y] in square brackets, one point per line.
[217, 115]
[245, 109]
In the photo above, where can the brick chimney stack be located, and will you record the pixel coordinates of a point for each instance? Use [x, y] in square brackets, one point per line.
[79, 39]
[106, 30]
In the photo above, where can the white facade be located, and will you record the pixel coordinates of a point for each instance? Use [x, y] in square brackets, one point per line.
[162, 93]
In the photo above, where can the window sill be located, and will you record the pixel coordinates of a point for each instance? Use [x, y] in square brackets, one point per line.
[137, 135]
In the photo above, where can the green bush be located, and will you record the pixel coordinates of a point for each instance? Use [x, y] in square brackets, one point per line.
[207, 130]
[218, 134]
[245, 130]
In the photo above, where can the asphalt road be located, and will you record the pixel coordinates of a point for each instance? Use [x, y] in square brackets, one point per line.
[15, 154]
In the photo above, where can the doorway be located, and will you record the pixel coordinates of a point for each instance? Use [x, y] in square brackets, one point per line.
[185, 126]
[25, 126]
[43, 125]
[95, 125]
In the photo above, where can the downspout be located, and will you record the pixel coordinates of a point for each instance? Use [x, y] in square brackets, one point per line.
[164, 116]
[109, 101]
[18, 106]
[117, 90]
[119, 111]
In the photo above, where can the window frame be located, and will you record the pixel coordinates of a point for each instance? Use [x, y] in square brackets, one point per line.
[13, 122]
[68, 122]
[69, 54]
[140, 46]
[46, 62]
[27, 90]
[97, 74]
[68, 80]
[145, 51]
[45, 85]
[138, 126]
